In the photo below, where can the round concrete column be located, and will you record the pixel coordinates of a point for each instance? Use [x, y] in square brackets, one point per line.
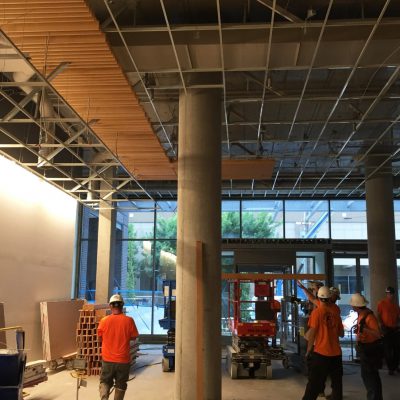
[381, 228]
[198, 273]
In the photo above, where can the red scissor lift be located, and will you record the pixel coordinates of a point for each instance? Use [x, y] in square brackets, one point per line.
[253, 324]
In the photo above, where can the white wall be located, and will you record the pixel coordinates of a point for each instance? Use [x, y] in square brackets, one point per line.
[37, 232]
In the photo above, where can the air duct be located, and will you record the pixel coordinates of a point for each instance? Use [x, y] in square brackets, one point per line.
[46, 111]
[47, 129]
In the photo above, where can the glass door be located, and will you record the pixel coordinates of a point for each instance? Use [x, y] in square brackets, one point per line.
[345, 273]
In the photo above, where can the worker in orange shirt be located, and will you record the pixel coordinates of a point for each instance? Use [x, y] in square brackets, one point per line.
[335, 296]
[368, 346]
[115, 331]
[388, 316]
[326, 357]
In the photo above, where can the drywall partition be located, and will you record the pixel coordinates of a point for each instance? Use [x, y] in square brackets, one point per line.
[37, 231]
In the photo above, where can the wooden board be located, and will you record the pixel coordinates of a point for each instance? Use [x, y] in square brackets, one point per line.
[259, 169]
[3, 342]
[59, 320]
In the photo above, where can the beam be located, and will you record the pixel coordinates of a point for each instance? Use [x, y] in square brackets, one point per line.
[280, 10]
[339, 23]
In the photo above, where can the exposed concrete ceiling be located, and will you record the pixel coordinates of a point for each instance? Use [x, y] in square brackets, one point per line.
[314, 88]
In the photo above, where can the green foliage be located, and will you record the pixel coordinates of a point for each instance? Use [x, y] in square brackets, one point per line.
[132, 250]
[140, 263]
[139, 260]
[258, 225]
[230, 224]
[254, 225]
[166, 227]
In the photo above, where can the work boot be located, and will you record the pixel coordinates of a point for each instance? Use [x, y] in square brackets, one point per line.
[104, 391]
[119, 394]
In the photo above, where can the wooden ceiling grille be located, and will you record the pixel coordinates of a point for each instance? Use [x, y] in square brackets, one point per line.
[52, 32]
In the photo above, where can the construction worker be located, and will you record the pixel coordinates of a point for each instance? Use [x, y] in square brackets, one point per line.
[311, 293]
[335, 295]
[323, 348]
[368, 346]
[388, 316]
[115, 331]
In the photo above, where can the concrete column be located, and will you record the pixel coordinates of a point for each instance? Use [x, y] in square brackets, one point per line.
[198, 320]
[381, 228]
[105, 253]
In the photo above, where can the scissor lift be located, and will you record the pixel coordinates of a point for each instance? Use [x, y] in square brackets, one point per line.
[253, 326]
[168, 322]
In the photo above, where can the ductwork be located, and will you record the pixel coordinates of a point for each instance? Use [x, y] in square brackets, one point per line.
[46, 111]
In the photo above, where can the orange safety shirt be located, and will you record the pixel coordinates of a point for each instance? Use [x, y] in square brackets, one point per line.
[371, 322]
[116, 331]
[319, 302]
[328, 326]
[389, 312]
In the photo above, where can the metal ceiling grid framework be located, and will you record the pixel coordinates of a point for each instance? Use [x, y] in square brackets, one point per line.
[317, 88]
[51, 32]
[314, 88]
[43, 134]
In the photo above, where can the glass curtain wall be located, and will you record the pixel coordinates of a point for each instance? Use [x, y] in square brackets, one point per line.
[396, 205]
[306, 219]
[348, 219]
[133, 262]
[145, 256]
[88, 254]
[165, 256]
[262, 219]
[230, 219]
[145, 246]
[345, 279]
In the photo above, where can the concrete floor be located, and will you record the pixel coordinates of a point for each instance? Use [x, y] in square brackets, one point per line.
[150, 383]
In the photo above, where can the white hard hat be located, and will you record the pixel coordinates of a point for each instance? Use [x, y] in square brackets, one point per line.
[336, 291]
[324, 292]
[358, 300]
[116, 298]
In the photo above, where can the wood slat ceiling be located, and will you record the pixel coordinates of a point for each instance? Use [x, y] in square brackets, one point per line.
[52, 32]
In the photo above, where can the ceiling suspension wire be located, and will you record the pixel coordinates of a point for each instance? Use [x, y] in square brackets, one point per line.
[346, 84]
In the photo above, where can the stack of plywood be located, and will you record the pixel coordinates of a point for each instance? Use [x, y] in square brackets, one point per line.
[89, 346]
[59, 319]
